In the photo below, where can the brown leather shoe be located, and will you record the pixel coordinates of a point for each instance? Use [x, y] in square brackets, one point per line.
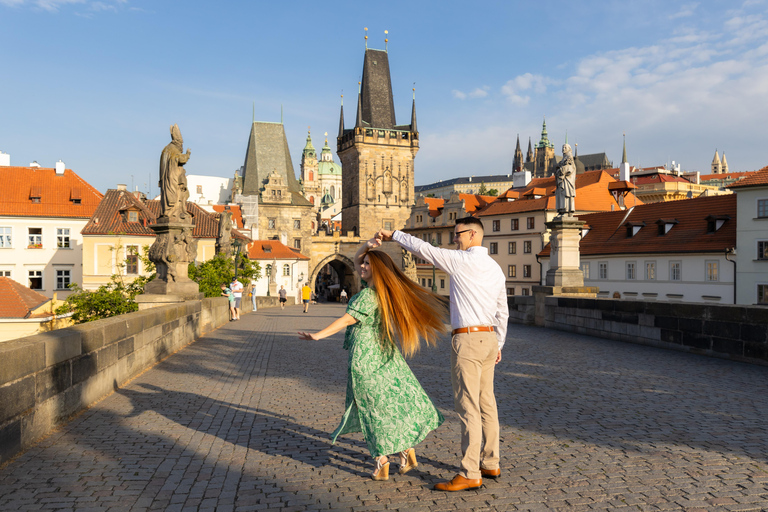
[490, 473]
[459, 483]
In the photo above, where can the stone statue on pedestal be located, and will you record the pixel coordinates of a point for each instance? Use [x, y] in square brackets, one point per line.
[565, 195]
[175, 246]
[409, 267]
[224, 241]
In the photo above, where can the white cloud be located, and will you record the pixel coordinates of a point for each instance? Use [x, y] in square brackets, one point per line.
[514, 88]
[479, 92]
[55, 5]
[459, 95]
[686, 10]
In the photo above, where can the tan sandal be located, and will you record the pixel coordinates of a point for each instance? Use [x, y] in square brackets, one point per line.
[409, 456]
[381, 472]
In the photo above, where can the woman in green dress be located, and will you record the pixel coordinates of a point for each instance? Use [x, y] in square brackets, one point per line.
[384, 321]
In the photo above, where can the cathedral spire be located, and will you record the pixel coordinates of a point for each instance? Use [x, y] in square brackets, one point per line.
[414, 129]
[341, 117]
[529, 154]
[517, 161]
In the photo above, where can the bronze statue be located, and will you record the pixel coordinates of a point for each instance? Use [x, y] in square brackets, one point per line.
[173, 179]
[565, 195]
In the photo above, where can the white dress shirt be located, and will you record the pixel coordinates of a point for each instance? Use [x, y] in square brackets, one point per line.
[478, 294]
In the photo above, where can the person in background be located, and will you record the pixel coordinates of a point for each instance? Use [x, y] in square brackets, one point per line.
[306, 296]
[283, 294]
[237, 291]
[253, 295]
[343, 296]
[226, 292]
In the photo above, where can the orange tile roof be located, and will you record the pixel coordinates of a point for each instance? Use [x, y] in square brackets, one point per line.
[475, 202]
[608, 231]
[726, 175]
[757, 179]
[237, 214]
[273, 250]
[435, 204]
[56, 193]
[18, 301]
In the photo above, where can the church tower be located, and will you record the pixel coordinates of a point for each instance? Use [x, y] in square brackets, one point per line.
[517, 162]
[724, 166]
[544, 160]
[717, 167]
[529, 154]
[309, 178]
[377, 155]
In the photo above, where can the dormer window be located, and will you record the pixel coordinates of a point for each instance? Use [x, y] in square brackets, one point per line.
[665, 225]
[75, 195]
[715, 222]
[35, 194]
[133, 216]
[634, 228]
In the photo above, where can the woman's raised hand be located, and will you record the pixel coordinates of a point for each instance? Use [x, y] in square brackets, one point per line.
[308, 336]
[374, 243]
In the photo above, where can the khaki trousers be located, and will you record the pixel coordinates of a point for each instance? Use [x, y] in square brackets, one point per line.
[473, 360]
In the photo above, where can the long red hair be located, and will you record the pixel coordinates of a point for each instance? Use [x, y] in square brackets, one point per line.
[408, 311]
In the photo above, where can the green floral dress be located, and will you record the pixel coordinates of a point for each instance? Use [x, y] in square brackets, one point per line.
[384, 400]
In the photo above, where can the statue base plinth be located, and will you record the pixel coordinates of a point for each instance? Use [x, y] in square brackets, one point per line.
[153, 300]
[540, 293]
[187, 289]
[565, 277]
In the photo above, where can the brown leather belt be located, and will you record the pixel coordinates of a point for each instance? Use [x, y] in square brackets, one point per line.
[474, 328]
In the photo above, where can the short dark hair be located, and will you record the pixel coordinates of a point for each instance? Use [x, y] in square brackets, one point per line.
[471, 221]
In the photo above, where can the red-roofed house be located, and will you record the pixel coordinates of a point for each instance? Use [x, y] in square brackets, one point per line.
[668, 251]
[42, 211]
[752, 238]
[515, 229]
[280, 265]
[24, 312]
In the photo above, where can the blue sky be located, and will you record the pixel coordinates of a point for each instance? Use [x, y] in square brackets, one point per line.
[97, 83]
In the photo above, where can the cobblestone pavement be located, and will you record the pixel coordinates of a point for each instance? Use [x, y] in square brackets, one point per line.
[240, 420]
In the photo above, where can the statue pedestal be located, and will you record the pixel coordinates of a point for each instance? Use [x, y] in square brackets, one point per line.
[564, 258]
[173, 250]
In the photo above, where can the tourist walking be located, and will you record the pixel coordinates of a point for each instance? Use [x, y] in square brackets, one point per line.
[343, 296]
[283, 294]
[384, 322]
[306, 296]
[479, 315]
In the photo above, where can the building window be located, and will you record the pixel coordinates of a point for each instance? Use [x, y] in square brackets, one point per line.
[711, 267]
[200, 189]
[296, 224]
[442, 283]
[650, 270]
[35, 238]
[515, 224]
[388, 224]
[297, 243]
[675, 271]
[62, 238]
[286, 270]
[512, 247]
[271, 224]
[525, 291]
[585, 269]
[423, 282]
[5, 273]
[762, 208]
[762, 294]
[602, 270]
[6, 238]
[512, 270]
[133, 216]
[36, 279]
[631, 274]
[494, 248]
[526, 271]
[762, 250]
[530, 222]
[429, 283]
[439, 239]
[527, 246]
[497, 225]
[510, 291]
[132, 259]
[63, 279]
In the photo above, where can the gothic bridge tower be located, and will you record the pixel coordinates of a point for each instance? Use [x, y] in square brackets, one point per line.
[376, 155]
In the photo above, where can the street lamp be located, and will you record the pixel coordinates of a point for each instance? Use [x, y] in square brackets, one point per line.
[434, 281]
[237, 245]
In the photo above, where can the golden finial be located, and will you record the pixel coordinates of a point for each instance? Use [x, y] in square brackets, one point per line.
[386, 41]
[326, 138]
[308, 129]
[366, 38]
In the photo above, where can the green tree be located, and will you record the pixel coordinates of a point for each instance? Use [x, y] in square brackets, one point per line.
[220, 269]
[482, 190]
[493, 192]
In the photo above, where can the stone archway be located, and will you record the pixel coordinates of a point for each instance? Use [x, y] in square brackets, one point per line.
[344, 269]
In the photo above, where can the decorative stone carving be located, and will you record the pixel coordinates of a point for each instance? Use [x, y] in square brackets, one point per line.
[224, 240]
[565, 195]
[173, 179]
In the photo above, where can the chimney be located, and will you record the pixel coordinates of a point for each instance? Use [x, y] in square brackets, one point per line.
[5, 159]
[60, 168]
[34, 164]
[521, 179]
[121, 186]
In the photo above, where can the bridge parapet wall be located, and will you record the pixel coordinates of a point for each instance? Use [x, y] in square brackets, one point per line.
[732, 332]
[47, 378]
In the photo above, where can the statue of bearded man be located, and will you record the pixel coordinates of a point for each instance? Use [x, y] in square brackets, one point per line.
[565, 194]
[173, 179]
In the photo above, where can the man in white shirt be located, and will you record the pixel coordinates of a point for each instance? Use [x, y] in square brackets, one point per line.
[479, 315]
[237, 290]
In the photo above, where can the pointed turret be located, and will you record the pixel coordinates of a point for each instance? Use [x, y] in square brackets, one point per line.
[544, 142]
[529, 154]
[413, 113]
[377, 104]
[717, 167]
[517, 161]
[359, 119]
[341, 117]
[624, 170]
[724, 167]
[309, 149]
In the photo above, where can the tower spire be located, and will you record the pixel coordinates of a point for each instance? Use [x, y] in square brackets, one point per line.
[414, 129]
[341, 117]
[359, 121]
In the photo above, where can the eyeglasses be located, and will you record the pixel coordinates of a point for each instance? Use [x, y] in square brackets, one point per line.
[456, 234]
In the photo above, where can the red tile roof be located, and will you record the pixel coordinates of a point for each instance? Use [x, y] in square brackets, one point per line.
[475, 202]
[273, 250]
[434, 204]
[608, 233]
[110, 218]
[726, 175]
[757, 179]
[18, 301]
[56, 193]
[237, 215]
